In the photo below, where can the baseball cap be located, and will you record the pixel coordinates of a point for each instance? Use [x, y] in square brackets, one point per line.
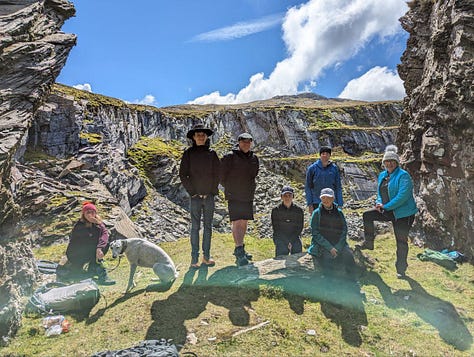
[327, 192]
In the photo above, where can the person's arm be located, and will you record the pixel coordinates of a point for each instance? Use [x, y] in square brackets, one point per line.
[103, 236]
[308, 190]
[378, 201]
[404, 192]
[185, 175]
[338, 189]
[224, 169]
[275, 221]
[215, 173]
[343, 237]
[299, 222]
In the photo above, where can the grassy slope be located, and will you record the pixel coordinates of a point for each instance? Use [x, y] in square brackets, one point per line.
[431, 314]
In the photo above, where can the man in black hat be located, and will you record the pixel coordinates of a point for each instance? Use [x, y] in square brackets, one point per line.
[199, 173]
[321, 174]
[287, 223]
[239, 170]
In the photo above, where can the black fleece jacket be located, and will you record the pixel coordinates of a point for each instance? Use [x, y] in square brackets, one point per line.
[238, 175]
[199, 170]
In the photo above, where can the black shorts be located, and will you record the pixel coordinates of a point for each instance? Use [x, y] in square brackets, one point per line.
[240, 210]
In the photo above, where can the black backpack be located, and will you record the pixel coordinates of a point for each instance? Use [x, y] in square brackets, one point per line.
[61, 298]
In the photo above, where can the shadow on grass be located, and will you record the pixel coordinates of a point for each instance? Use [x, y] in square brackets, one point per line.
[441, 314]
[190, 300]
[235, 289]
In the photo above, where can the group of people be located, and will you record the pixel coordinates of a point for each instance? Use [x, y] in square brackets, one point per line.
[201, 172]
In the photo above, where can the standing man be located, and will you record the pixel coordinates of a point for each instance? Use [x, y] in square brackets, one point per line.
[329, 237]
[287, 223]
[239, 170]
[199, 174]
[322, 174]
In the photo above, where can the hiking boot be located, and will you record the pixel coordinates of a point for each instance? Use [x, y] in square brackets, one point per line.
[103, 277]
[208, 262]
[194, 263]
[247, 255]
[401, 275]
[241, 260]
[366, 244]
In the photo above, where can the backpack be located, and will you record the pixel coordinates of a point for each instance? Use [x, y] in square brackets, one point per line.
[62, 298]
[438, 258]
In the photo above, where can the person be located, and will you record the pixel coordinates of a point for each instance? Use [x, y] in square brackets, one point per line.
[287, 222]
[88, 243]
[394, 203]
[239, 170]
[322, 173]
[329, 236]
[199, 173]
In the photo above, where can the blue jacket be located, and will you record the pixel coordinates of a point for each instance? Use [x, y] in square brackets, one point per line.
[319, 177]
[400, 193]
[318, 241]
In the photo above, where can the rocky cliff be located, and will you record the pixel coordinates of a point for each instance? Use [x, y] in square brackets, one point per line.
[437, 125]
[32, 52]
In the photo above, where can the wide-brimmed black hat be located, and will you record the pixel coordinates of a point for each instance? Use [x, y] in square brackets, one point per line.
[199, 128]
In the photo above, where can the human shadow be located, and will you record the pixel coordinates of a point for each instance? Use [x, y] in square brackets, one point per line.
[190, 300]
[340, 299]
[441, 314]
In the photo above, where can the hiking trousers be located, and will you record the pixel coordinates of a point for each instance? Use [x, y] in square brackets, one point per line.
[401, 228]
[201, 207]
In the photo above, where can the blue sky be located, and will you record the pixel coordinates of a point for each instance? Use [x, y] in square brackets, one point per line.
[232, 51]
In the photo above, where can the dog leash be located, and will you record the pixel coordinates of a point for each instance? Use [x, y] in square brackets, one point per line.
[101, 262]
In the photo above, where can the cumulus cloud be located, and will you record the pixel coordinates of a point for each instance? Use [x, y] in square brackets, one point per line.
[317, 35]
[240, 29]
[379, 83]
[146, 100]
[86, 86]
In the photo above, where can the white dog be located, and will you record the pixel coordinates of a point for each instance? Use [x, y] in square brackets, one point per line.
[141, 252]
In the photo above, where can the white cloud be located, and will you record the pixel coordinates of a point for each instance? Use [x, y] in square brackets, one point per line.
[240, 29]
[146, 100]
[379, 83]
[86, 86]
[317, 35]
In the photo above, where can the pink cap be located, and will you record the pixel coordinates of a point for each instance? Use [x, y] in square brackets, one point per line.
[86, 206]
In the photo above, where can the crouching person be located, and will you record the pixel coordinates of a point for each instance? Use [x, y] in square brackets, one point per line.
[329, 237]
[88, 243]
[287, 223]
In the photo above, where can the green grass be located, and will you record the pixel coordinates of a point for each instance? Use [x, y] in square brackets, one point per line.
[430, 314]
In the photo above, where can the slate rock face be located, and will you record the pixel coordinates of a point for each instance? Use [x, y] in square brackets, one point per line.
[32, 52]
[437, 125]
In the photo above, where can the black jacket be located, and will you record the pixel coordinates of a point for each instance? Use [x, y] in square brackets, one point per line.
[238, 175]
[199, 170]
[287, 223]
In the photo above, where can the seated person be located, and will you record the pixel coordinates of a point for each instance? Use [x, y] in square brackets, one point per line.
[329, 236]
[287, 223]
[88, 243]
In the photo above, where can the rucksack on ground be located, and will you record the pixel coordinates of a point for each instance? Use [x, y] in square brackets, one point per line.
[58, 297]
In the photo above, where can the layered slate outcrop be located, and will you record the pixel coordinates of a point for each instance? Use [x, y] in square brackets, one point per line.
[437, 125]
[32, 52]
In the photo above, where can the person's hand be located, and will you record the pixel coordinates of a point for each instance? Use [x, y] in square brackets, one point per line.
[333, 252]
[93, 220]
[310, 209]
[379, 207]
[99, 254]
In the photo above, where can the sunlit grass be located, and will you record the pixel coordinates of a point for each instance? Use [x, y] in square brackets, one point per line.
[430, 314]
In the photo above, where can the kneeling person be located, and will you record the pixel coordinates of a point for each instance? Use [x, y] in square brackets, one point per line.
[329, 236]
[287, 223]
